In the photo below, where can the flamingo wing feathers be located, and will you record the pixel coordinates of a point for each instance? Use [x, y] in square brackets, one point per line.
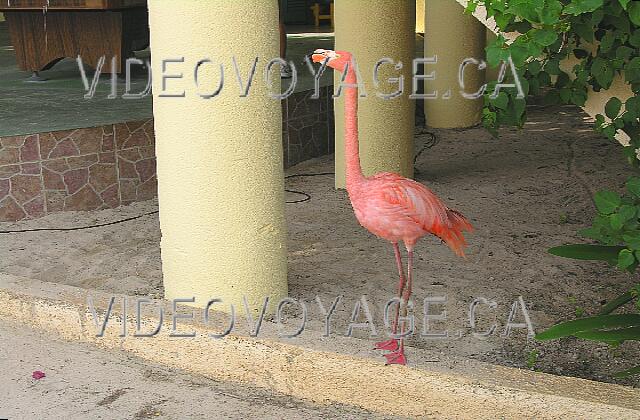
[401, 197]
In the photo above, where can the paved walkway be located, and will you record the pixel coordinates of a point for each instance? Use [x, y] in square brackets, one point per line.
[83, 382]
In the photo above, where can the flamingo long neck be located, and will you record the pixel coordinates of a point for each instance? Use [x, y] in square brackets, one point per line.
[352, 151]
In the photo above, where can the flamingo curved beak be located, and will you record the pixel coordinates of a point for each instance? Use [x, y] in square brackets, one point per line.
[320, 55]
[318, 58]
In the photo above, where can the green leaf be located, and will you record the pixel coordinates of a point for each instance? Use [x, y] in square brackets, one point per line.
[563, 80]
[599, 322]
[632, 106]
[519, 54]
[534, 67]
[471, 7]
[598, 66]
[633, 186]
[489, 121]
[504, 20]
[616, 221]
[607, 201]
[553, 66]
[624, 3]
[616, 303]
[632, 70]
[627, 212]
[551, 98]
[632, 333]
[545, 37]
[550, 13]
[625, 259]
[634, 39]
[534, 49]
[602, 71]
[607, 41]
[591, 232]
[588, 252]
[544, 78]
[578, 7]
[623, 52]
[628, 372]
[501, 101]
[519, 106]
[609, 131]
[496, 53]
[524, 9]
[632, 239]
[597, 16]
[620, 22]
[534, 86]
[617, 64]
[606, 78]
[579, 97]
[584, 31]
[612, 108]
[634, 12]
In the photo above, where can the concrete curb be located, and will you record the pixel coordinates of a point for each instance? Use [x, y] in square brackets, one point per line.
[468, 390]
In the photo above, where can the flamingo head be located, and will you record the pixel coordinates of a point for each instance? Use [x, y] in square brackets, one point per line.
[337, 60]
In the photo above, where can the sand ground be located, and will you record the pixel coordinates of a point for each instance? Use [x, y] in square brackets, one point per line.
[524, 192]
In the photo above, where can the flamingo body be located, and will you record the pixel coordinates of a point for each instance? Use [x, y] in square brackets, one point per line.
[400, 209]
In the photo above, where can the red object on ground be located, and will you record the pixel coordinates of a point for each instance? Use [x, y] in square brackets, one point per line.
[38, 374]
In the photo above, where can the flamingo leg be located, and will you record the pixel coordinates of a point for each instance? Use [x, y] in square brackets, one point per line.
[401, 284]
[392, 344]
[397, 357]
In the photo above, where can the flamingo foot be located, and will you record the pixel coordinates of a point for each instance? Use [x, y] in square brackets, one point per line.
[391, 345]
[396, 358]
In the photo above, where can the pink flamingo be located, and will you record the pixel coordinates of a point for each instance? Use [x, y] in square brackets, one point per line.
[390, 206]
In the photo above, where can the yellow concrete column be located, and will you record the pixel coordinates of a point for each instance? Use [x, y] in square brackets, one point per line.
[452, 36]
[420, 16]
[220, 169]
[372, 30]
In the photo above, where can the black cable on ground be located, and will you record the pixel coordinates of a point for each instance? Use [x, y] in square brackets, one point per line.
[79, 227]
[306, 196]
[433, 140]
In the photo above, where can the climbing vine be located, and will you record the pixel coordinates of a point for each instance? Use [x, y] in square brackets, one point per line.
[563, 51]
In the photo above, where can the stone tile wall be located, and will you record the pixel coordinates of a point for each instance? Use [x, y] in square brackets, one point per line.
[113, 165]
[83, 169]
[307, 126]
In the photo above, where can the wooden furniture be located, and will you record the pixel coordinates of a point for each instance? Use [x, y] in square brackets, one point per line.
[44, 34]
[316, 9]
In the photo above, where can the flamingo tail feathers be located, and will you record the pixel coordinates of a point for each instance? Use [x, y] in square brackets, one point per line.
[453, 235]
